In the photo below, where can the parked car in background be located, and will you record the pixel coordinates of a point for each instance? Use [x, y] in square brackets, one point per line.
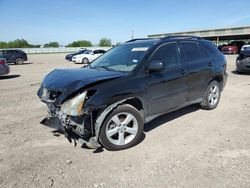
[4, 68]
[232, 48]
[70, 56]
[88, 56]
[229, 49]
[108, 102]
[243, 60]
[14, 56]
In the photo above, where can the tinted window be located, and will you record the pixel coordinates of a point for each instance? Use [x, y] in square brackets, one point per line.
[96, 52]
[191, 51]
[9, 52]
[211, 49]
[168, 54]
[203, 52]
[102, 51]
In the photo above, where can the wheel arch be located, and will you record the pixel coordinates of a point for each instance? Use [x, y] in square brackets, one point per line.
[219, 79]
[133, 101]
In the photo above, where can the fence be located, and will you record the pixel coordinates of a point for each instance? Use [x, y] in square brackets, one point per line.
[58, 50]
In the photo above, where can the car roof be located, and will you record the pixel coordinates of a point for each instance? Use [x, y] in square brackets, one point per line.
[163, 39]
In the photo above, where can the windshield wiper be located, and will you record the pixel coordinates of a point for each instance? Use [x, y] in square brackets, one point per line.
[103, 67]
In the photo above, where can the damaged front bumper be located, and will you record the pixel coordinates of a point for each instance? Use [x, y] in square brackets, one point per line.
[75, 128]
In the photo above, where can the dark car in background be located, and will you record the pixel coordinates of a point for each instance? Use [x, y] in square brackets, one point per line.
[108, 102]
[14, 56]
[243, 60]
[233, 47]
[4, 68]
[70, 56]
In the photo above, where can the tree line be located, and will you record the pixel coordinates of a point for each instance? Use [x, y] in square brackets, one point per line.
[22, 43]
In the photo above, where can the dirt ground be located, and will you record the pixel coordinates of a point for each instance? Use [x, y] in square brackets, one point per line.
[187, 148]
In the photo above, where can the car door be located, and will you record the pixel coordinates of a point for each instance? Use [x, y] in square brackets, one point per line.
[199, 67]
[9, 55]
[167, 89]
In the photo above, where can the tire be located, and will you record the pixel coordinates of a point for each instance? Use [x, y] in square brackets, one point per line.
[238, 70]
[211, 97]
[85, 60]
[114, 134]
[19, 61]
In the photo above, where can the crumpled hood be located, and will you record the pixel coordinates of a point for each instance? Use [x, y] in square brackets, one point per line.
[60, 79]
[70, 80]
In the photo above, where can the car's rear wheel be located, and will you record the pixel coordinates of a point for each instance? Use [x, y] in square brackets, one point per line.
[211, 97]
[19, 61]
[85, 60]
[122, 129]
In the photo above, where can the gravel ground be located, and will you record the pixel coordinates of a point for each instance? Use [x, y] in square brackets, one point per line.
[187, 148]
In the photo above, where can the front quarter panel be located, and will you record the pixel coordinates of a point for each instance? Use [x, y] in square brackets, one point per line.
[117, 90]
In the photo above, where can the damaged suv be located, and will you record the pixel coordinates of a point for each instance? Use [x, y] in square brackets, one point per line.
[108, 102]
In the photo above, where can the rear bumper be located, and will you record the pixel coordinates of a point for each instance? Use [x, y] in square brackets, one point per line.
[224, 80]
[4, 70]
[228, 52]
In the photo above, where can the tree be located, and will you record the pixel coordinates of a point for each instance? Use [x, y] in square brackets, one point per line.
[3, 44]
[105, 42]
[18, 43]
[52, 44]
[80, 43]
[118, 43]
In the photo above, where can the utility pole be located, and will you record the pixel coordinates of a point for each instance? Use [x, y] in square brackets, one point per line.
[132, 34]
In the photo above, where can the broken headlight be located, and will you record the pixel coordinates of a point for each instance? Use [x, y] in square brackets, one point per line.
[74, 106]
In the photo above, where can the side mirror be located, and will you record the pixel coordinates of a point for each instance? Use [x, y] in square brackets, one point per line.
[155, 66]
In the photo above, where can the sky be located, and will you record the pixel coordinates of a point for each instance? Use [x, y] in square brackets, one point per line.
[64, 21]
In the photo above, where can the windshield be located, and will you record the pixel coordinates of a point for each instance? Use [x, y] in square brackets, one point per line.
[87, 52]
[122, 58]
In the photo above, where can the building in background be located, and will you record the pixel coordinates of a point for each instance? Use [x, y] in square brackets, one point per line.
[219, 36]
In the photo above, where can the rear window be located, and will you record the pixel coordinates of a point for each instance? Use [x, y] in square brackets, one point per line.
[211, 49]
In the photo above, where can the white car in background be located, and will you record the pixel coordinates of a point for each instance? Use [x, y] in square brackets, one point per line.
[88, 56]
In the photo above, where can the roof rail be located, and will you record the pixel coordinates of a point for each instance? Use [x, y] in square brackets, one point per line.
[181, 36]
[132, 40]
[167, 37]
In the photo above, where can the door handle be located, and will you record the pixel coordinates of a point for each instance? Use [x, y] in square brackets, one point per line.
[210, 64]
[183, 71]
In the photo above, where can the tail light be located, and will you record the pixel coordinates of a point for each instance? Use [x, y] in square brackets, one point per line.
[2, 61]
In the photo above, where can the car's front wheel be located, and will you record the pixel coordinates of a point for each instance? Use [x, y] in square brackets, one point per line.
[85, 60]
[211, 97]
[19, 61]
[122, 129]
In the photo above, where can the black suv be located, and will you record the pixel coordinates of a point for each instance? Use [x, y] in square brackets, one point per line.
[14, 56]
[108, 102]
